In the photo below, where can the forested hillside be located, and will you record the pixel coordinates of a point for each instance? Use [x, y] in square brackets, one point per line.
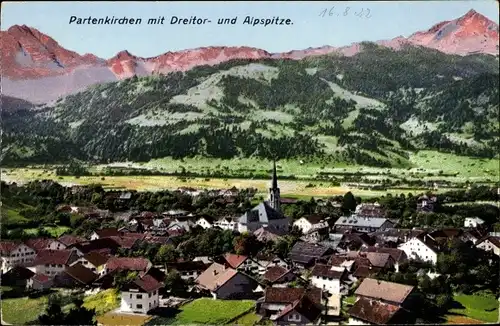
[371, 109]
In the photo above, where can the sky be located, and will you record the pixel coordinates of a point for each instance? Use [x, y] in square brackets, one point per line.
[386, 20]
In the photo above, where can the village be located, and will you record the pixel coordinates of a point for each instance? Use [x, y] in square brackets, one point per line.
[361, 267]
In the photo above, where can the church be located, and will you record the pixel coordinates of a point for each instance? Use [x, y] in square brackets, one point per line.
[266, 214]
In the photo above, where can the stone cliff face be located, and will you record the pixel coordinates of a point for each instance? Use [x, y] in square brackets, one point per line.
[36, 68]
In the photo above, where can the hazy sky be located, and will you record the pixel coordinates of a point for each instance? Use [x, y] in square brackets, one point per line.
[388, 20]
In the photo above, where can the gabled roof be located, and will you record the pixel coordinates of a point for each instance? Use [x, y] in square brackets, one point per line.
[81, 274]
[47, 256]
[274, 273]
[328, 271]
[97, 245]
[187, 266]
[107, 232]
[8, 246]
[304, 306]
[378, 259]
[127, 263]
[314, 218]
[233, 260]
[396, 254]
[38, 244]
[373, 311]
[96, 258]
[290, 295]
[262, 213]
[215, 276]
[69, 240]
[429, 241]
[494, 240]
[147, 283]
[388, 291]
[41, 278]
[373, 222]
[304, 252]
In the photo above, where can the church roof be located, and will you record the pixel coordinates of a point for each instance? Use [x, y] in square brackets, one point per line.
[262, 213]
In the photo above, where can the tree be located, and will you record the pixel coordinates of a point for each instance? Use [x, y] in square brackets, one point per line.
[175, 283]
[78, 315]
[166, 253]
[349, 203]
[246, 244]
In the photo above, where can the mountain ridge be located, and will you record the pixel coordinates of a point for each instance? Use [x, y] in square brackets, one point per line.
[31, 59]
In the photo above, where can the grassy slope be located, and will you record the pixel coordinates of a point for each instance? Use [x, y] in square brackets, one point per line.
[484, 308]
[212, 312]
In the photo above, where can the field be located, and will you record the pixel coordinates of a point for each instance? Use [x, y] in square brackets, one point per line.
[244, 173]
[482, 308]
[113, 319]
[54, 231]
[20, 311]
[23, 310]
[212, 312]
[249, 319]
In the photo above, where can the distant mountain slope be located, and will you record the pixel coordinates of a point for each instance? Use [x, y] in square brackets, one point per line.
[36, 68]
[370, 108]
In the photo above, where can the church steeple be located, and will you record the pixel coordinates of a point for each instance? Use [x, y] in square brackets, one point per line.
[274, 191]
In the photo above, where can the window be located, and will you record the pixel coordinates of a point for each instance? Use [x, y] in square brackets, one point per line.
[130, 295]
[149, 295]
[294, 317]
[139, 296]
[139, 306]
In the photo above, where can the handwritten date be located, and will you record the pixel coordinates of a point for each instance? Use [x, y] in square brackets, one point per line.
[363, 13]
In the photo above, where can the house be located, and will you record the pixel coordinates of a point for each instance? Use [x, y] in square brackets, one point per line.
[304, 254]
[14, 254]
[473, 222]
[489, 243]
[52, 262]
[266, 261]
[262, 215]
[277, 300]
[75, 276]
[426, 204]
[38, 244]
[422, 247]
[374, 312]
[362, 224]
[473, 235]
[397, 256]
[269, 233]
[310, 222]
[370, 210]
[316, 235]
[187, 269]
[278, 276]
[354, 241]
[240, 262]
[388, 292]
[301, 312]
[328, 277]
[95, 261]
[17, 276]
[40, 282]
[227, 223]
[115, 264]
[102, 245]
[226, 283]
[205, 222]
[64, 242]
[140, 295]
[105, 233]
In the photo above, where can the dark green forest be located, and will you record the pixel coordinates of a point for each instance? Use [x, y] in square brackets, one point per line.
[396, 102]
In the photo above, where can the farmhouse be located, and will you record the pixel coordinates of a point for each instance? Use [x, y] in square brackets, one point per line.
[141, 295]
[14, 254]
[489, 243]
[422, 247]
[473, 222]
[310, 222]
[328, 278]
[52, 262]
[362, 223]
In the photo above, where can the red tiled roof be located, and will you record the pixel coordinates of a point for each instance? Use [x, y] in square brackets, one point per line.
[47, 256]
[126, 263]
[215, 276]
[107, 232]
[388, 291]
[322, 270]
[81, 274]
[38, 244]
[289, 295]
[7, 246]
[124, 242]
[148, 283]
[234, 260]
[96, 258]
[134, 235]
[69, 240]
[274, 273]
[373, 311]
[304, 306]
[41, 278]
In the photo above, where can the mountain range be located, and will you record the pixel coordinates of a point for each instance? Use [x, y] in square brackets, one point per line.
[372, 103]
[36, 68]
